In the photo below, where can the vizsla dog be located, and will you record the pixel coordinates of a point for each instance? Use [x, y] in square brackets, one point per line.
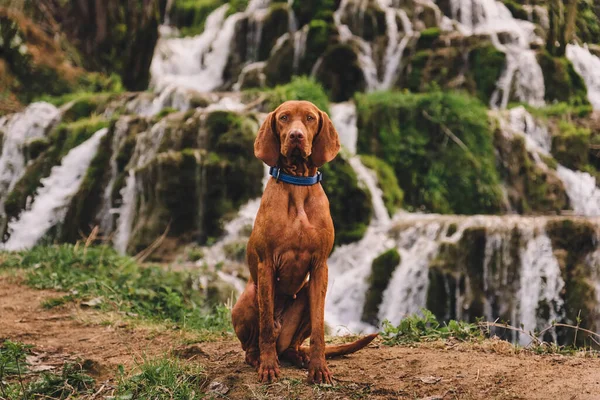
[283, 303]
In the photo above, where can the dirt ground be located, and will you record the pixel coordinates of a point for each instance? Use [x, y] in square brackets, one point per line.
[440, 370]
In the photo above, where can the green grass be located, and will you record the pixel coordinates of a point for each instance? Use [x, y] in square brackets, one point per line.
[71, 382]
[162, 378]
[118, 283]
[424, 328]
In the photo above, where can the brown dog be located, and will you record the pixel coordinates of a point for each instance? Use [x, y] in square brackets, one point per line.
[283, 303]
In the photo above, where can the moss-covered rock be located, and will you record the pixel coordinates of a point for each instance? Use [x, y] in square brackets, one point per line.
[274, 25]
[576, 238]
[300, 88]
[428, 37]
[280, 65]
[562, 82]
[202, 177]
[516, 9]
[459, 267]
[320, 35]
[440, 146]
[530, 189]
[308, 10]
[349, 203]
[387, 182]
[382, 269]
[364, 19]
[340, 73]
[190, 15]
[571, 145]
[486, 64]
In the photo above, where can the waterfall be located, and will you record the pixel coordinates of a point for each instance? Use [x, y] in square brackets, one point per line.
[394, 50]
[588, 66]
[581, 187]
[18, 130]
[522, 71]
[198, 62]
[106, 210]
[50, 205]
[350, 264]
[582, 190]
[146, 148]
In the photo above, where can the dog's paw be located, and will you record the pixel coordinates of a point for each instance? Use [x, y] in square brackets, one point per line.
[319, 373]
[268, 371]
[299, 357]
[253, 358]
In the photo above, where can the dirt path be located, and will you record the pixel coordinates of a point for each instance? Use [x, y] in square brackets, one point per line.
[441, 370]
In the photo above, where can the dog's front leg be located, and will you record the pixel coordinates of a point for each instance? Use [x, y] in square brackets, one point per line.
[268, 369]
[317, 288]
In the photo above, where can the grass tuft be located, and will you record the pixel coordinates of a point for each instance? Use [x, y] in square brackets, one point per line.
[108, 281]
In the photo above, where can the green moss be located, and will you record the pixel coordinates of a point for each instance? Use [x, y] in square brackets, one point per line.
[486, 65]
[192, 191]
[350, 204]
[516, 9]
[190, 15]
[280, 65]
[308, 10]
[440, 146]
[300, 88]
[340, 73]
[457, 265]
[588, 21]
[530, 189]
[319, 37]
[275, 24]
[387, 182]
[416, 66]
[382, 269]
[577, 238]
[571, 146]
[34, 148]
[164, 112]
[562, 110]
[428, 37]
[562, 82]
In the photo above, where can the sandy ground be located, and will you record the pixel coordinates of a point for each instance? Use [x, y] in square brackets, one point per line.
[440, 370]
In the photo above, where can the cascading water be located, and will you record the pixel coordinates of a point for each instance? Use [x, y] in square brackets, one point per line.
[18, 130]
[50, 205]
[588, 66]
[395, 48]
[198, 63]
[522, 71]
[581, 187]
[146, 147]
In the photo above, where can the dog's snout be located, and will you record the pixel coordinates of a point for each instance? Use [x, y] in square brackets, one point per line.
[296, 135]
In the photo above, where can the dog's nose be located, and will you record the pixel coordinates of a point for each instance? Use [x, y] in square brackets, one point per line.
[296, 135]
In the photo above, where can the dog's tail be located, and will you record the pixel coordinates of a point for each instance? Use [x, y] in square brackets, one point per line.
[347, 348]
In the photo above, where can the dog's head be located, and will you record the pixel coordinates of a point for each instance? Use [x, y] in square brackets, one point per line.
[297, 130]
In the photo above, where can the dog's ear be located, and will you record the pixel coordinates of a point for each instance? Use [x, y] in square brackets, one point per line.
[326, 143]
[266, 145]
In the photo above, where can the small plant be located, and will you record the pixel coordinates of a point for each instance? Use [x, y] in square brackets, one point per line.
[162, 378]
[70, 382]
[417, 328]
[12, 363]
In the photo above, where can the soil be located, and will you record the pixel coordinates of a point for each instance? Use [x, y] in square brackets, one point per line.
[492, 369]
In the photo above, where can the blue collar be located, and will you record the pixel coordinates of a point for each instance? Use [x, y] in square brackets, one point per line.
[276, 173]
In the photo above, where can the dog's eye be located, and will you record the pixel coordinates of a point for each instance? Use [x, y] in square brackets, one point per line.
[310, 117]
[283, 118]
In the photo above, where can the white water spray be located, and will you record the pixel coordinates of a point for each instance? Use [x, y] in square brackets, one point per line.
[50, 205]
